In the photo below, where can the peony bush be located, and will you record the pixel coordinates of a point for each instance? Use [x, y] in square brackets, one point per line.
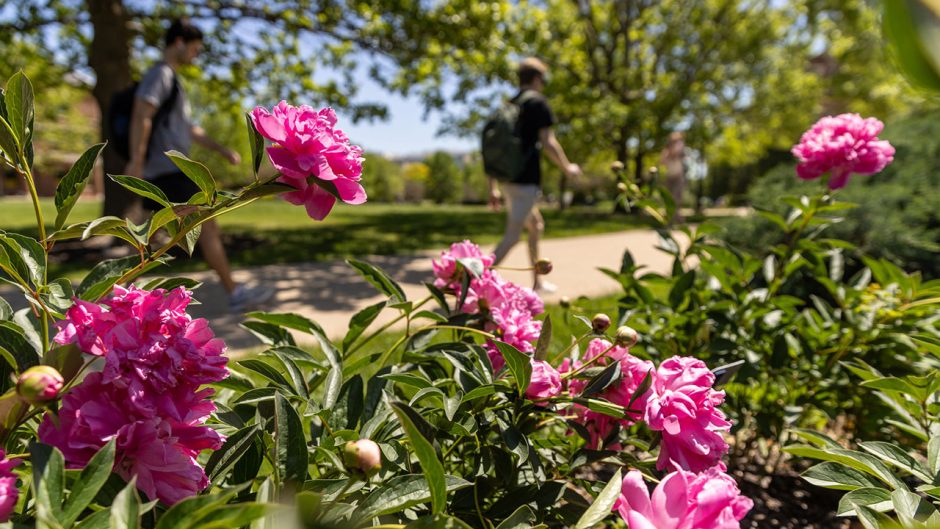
[120, 409]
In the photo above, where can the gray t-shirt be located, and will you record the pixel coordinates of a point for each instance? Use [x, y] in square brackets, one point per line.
[175, 131]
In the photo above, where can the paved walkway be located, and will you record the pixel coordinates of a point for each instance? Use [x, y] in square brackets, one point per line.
[331, 292]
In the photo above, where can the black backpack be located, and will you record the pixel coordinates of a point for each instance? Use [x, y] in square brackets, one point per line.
[119, 116]
[503, 155]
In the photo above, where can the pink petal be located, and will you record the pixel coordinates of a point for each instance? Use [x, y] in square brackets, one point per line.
[286, 162]
[318, 202]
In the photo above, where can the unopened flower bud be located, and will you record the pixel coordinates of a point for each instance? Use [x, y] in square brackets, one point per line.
[363, 456]
[600, 323]
[621, 187]
[616, 166]
[626, 336]
[565, 302]
[39, 384]
[543, 266]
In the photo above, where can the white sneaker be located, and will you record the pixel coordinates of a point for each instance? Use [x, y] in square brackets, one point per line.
[546, 288]
[244, 297]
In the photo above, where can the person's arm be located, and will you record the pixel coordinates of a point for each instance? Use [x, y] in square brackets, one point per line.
[556, 153]
[141, 126]
[495, 195]
[200, 137]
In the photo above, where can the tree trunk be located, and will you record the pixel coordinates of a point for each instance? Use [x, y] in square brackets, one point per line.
[638, 165]
[110, 57]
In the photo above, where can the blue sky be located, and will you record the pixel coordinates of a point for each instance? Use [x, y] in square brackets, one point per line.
[405, 132]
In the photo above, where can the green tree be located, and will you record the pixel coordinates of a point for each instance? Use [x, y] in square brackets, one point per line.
[444, 179]
[384, 178]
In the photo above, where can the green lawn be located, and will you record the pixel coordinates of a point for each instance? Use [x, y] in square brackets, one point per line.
[273, 231]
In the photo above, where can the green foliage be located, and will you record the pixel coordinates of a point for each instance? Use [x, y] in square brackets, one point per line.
[899, 477]
[384, 177]
[791, 310]
[443, 183]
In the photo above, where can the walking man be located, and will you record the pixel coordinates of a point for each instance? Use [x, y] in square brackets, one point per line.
[150, 139]
[534, 130]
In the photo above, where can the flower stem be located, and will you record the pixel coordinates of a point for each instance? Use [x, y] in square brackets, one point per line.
[587, 364]
[355, 347]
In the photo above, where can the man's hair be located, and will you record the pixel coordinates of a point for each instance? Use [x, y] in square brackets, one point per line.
[182, 28]
[529, 69]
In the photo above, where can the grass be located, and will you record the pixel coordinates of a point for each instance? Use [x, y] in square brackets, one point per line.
[272, 231]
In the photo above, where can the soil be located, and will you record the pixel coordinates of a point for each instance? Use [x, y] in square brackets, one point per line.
[783, 499]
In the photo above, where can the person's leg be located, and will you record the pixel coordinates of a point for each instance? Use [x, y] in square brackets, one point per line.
[517, 210]
[213, 251]
[535, 225]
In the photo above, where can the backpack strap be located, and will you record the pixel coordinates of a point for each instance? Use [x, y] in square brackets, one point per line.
[163, 111]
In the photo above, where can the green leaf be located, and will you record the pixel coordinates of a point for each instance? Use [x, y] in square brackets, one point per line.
[189, 241]
[877, 499]
[438, 521]
[269, 333]
[911, 508]
[89, 482]
[519, 519]
[933, 455]
[897, 384]
[837, 476]
[6, 311]
[897, 457]
[402, 492]
[296, 376]
[233, 515]
[48, 485]
[142, 188]
[857, 460]
[18, 98]
[360, 321]
[545, 339]
[13, 339]
[73, 183]
[196, 172]
[430, 464]
[26, 257]
[8, 143]
[900, 30]
[290, 441]
[602, 380]
[98, 520]
[602, 506]
[235, 446]
[125, 511]
[102, 277]
[255, 144]
[380, 280]
[519, 363]
[268, 372]
[187, 513]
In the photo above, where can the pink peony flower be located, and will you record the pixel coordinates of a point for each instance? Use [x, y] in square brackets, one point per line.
[842, 145]
[446, 271]
[545, 381]
[9, 494]
[683, 500]
[683, 406]
[633, 371]
[147, 395]
[312, 156]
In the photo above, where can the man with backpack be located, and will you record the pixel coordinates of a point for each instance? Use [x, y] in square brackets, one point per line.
[512, 141]
[160, 121]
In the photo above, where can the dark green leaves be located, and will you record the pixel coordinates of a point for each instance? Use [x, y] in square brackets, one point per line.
[907, 27]
[92, 478]
[223, 459]
[430, 464]
[18, 98]
[255, 143]
[142, 188]
[196, 172]
[73, 183]
[402, 492]
[379, 280]
[48, 484]
[602, 506]
[289, 440]
[520, 365]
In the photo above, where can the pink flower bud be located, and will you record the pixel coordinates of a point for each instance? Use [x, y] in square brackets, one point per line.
[600, 323]
[39, 384]
[363, 456]
[543, 267]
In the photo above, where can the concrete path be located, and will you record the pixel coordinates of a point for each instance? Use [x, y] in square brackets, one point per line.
[331, 292]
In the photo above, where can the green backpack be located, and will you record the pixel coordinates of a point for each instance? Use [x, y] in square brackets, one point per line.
[503, 156]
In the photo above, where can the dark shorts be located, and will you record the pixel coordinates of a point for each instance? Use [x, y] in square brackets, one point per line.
[176, 186]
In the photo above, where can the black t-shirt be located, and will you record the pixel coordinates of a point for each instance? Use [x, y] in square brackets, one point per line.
[534, 115]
